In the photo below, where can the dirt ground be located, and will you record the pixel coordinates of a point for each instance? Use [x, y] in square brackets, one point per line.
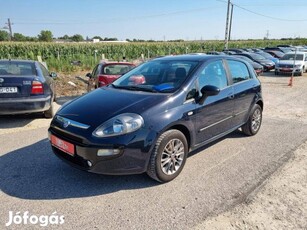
[281, 201]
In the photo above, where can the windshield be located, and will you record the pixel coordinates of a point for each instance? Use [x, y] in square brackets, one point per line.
[266, 55]
[292, 57]
[245, 58]
[156, 76]
[257, 56]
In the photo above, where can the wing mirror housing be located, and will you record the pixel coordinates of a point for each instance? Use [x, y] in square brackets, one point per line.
[207, 91]
[53, 75]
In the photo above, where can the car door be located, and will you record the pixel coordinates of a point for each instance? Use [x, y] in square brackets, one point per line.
[245, 88]
[214, 117]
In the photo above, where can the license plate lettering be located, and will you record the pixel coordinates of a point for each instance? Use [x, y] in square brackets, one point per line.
[63, 145]
[8, 89]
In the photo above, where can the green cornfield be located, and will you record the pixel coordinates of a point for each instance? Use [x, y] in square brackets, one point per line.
[59, 56]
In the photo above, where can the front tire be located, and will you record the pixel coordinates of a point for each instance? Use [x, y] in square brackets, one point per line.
[168, 157]
[252, 126]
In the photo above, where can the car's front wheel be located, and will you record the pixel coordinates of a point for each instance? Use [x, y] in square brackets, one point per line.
[252, 126]
[168, 157]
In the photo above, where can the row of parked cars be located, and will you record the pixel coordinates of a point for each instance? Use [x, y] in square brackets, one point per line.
[284, 59]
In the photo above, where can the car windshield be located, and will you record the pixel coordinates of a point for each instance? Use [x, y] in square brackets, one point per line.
[266, 55]
[245, 58]
[299, 57]
[17, 68]
[156, 76]
[257, 56]
[116, 69]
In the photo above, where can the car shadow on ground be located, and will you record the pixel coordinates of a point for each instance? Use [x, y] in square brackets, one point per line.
[20, 120]
[236, 134]
[35, 173]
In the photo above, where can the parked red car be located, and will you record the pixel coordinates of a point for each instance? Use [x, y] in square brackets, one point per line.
[106, 72]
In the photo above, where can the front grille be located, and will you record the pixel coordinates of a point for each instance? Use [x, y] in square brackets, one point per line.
[285, 66]
[66, 135]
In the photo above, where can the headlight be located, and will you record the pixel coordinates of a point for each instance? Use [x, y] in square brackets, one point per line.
[298, 66]
[121, 124]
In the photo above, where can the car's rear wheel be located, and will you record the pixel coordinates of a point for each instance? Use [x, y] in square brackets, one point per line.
[50, 112]
[252, 126]
[168, 157]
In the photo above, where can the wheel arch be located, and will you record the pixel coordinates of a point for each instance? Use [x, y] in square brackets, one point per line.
[185, 132]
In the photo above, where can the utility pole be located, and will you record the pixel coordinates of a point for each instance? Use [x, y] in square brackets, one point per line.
[9, 24]
[230, 24]
[226, 29]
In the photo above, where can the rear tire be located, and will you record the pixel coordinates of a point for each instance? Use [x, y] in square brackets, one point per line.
[252, 126]
[168, 157]
[50, 112]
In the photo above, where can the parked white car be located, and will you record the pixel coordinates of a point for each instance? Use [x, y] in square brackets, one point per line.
[296, 62]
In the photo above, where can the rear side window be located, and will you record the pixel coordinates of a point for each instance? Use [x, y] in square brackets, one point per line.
[17, 68]
[239, 71]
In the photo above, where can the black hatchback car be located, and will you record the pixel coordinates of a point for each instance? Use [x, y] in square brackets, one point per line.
[26, 87]
[149, 119]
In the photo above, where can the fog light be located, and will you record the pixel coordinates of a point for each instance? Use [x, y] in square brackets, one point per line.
[89, 164]
[107, 152]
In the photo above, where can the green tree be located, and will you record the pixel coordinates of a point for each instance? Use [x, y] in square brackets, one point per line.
[77, 38]
[19, 37]
[4, 36]
[45, 36]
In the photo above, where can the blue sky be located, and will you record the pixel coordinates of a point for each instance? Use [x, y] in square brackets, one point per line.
[156, 19]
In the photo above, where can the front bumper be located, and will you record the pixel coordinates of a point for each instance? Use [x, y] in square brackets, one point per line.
[288, 70]
[132, 158]
[24, 105]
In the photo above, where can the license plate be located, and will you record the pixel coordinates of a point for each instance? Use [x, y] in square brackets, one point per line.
[286, 69]
[8, 89]
[63, 145]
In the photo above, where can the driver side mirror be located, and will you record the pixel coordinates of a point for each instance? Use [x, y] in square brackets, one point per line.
[207, 91]
[89, 75]
[53, 75]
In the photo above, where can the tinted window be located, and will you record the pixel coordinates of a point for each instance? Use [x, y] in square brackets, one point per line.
[213, 74]
[239, 71]
[17, 68]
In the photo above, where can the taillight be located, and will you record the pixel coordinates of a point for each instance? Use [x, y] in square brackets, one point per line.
[37, 88]
[101, 80]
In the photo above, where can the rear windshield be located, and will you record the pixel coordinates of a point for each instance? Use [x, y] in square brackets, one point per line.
[116, 69]
[17, 68]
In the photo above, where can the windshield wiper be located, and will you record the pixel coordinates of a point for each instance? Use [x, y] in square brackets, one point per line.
[133, 87]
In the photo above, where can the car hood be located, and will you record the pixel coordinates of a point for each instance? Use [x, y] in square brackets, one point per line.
[104, 103]
[290, 62]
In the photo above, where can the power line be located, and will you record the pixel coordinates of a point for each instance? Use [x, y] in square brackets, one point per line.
[263, 15]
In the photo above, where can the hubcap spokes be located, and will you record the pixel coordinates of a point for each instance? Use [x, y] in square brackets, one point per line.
[256, 120]
[172, 156]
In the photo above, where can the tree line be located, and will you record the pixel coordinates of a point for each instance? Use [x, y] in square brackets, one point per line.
[47, 36]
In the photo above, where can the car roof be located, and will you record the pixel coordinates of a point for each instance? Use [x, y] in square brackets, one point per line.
[187, 57]
[17, 60]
